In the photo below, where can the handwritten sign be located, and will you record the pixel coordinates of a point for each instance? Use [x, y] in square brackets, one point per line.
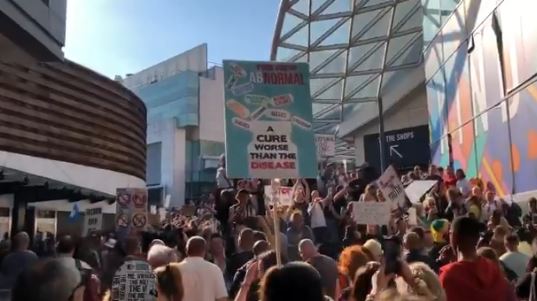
[371, 213]
[284, 195]
[134, 281]
[93, 221]
[391, 187]
[326, 145]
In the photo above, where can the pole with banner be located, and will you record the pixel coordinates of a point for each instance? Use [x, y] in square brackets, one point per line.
[275, 183]
[269, 133]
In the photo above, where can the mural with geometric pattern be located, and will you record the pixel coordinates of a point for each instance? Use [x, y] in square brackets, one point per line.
[482, 96]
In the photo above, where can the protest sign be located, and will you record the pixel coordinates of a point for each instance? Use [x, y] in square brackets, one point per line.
[131, 211]
[371, 213]
[326, 145]
[93, 221]
[284, 195]
[134, 281]
[268, 120]
[417, 189]
[391, 187]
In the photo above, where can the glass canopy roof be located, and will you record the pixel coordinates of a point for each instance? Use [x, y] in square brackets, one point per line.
[345, 43]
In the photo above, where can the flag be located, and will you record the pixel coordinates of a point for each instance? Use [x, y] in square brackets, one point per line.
[75, 213]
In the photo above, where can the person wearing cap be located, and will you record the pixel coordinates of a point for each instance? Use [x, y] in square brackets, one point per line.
[373, 249]
[50, 280]
[439, 231]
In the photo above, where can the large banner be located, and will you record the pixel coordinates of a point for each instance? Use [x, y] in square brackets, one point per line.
[131, 211]
[326, 145]
[268, 120]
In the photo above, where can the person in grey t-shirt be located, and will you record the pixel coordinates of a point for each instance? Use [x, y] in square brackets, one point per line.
[326, 266]
[17, 261]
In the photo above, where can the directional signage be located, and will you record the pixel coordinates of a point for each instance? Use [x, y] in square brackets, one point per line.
[405, 148]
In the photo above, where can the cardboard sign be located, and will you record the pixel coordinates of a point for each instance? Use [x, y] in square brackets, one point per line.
[391, 187]
[417, 189]
[134, 281]
[93, 221]
[268, 112]
[131, 211]
[371, 213]
[284, 195]
[326, 145]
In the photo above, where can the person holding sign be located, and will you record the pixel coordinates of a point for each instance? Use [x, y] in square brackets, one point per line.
[242, 209]
[296, 232]
[301, 193]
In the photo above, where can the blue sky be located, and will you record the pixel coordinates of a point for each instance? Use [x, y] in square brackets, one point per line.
[125, 36]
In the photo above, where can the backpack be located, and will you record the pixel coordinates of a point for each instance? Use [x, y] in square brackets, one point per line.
[91, 282]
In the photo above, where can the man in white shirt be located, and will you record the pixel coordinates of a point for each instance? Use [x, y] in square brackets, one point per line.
[222, 180]
[513, 259]
[490, 206]
[202, 280]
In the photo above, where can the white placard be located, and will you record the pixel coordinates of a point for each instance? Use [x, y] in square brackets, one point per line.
[326, 145]
[285, 197]
[93, 221]
[391, 187]
[134, 281]
[371, 213]
[417, 189]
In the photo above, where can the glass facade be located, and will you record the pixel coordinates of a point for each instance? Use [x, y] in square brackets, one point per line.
[480, 63]
[173, 97]
[344, 42]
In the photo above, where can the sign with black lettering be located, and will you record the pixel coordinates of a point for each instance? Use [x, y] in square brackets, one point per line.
[269, 132]
[391, 187]
[93, 221]
[405, 148]
[134, 281]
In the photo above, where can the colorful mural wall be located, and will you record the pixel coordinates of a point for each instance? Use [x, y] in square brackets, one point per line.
[482, 94]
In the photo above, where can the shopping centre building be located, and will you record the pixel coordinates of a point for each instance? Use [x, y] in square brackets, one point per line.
[463, 70]
[68, 135]
[185, 117]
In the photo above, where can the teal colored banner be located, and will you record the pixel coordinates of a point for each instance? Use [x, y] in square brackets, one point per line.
[268, 120]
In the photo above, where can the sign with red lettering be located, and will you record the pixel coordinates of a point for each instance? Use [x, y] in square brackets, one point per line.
[268, 120]
[131, 211]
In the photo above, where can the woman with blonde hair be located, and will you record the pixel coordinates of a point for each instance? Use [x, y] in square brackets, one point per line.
[426, 283]
[169, 283]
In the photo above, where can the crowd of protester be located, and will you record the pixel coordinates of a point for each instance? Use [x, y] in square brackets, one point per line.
[464, 243]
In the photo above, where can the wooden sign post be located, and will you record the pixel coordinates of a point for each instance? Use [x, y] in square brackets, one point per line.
[275, 183]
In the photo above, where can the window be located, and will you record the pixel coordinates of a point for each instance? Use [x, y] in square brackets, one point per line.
[154, 159]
